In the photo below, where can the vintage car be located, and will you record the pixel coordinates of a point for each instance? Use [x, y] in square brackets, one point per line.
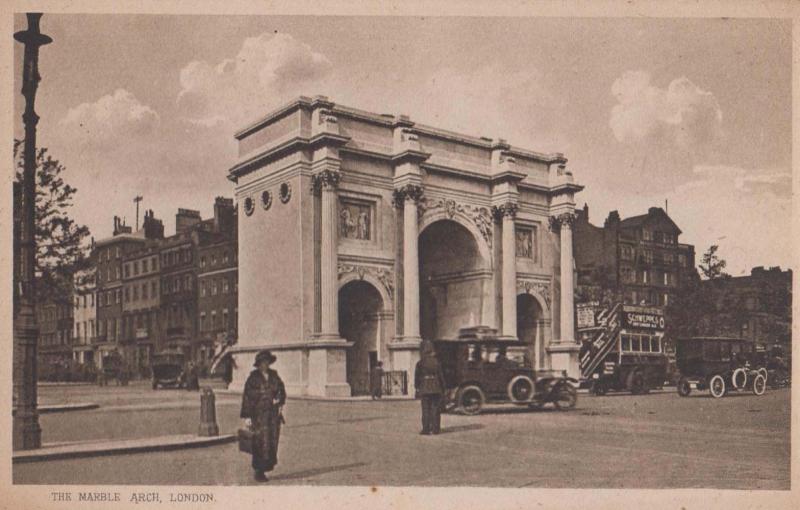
[168, 368]
[721, 364]
[113, 368]
[485, 369]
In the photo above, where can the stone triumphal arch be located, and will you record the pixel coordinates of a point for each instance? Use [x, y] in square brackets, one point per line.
[363, 233]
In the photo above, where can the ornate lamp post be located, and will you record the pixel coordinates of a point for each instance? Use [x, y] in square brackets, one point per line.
[27, 433]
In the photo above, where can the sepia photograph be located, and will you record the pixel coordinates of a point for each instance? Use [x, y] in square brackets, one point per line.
[397, 250]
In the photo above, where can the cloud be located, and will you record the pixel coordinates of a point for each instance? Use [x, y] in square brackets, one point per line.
[683, 113]
[500, 102]
[267, 70]
[111, 119]
[775, 184]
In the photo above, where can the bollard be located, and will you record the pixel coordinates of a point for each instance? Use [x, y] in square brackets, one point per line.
[208, 414]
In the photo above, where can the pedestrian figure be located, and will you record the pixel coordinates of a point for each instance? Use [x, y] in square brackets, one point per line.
[430, 385]
[192, 378]
[376, 381]
[262, 402]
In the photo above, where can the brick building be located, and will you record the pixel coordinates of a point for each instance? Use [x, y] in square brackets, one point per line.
[55, 337]
[109, 254]
[218, 282]
[84, 315]
[637, 260]
[757, 306]
[179, 283]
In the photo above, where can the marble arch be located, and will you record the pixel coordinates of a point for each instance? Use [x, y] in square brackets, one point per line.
[361, 188]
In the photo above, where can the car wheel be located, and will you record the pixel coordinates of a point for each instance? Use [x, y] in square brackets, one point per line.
[599, 388]
[566, 396]
[636, 383]
[717, 386]
[739, 378]
[471, 399]
[684, 388]
[763, 371]
[759, 385]
[520, 389]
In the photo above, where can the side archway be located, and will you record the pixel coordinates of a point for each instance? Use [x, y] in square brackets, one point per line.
[362, 321]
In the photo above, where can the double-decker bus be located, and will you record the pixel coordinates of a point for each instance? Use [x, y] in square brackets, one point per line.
[624, 350]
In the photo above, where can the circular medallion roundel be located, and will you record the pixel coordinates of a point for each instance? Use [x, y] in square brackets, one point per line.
[266, 200]
[285, 192]
[249, 206]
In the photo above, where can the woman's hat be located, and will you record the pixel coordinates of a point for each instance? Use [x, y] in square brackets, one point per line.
[264, 355]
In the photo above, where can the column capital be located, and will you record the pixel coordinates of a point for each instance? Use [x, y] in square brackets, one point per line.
[405, 192]
[506, 210]
[566, 219]
[326, 179]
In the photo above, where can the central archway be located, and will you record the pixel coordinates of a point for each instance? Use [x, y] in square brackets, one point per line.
[454, 278]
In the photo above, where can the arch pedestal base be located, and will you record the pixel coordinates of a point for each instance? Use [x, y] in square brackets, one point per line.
[314, 368]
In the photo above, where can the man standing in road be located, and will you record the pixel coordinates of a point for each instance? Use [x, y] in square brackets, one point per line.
[429, 384]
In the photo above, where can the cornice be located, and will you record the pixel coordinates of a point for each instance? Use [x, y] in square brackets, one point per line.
[295, 144]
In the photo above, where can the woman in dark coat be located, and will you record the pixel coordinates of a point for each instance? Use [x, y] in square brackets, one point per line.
[264, 396]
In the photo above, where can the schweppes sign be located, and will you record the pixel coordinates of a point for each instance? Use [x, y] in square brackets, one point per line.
[643, 318]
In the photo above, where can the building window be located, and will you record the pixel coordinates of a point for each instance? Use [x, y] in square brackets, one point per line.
[136, 268]
[667, 279]
[647, 235]
[108, 274]
[214, 319]
[628, 275]
[135, 292]
[213, 259]
[144, 290]
[202, 289]
[225, 257]
[626, 252]
[119, 275]
[117, 296]
[127, 294]
[119, 252]
[225, 286]
[213, 287]
[154, 263]
[202, 262]
[648, 256]
[202, 321]
[225, 318]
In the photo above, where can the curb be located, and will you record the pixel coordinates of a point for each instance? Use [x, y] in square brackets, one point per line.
[85, 449]
[62, 408]
[391, 398]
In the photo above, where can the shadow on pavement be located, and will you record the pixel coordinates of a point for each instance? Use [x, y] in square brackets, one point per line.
[316, 472]
[461, 428]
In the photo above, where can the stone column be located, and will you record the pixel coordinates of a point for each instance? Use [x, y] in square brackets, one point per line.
[326, 182]
[508, 213]
[567, 280]
[408, 196]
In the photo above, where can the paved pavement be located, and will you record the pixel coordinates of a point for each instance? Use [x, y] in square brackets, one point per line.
[616, 441]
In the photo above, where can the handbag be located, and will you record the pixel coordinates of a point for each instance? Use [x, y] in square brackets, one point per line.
[246, 438]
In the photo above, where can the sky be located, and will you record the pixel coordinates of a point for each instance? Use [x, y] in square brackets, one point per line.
[693, 113]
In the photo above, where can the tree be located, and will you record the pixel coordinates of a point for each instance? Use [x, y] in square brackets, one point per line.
[60, 241]
[711, 266]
